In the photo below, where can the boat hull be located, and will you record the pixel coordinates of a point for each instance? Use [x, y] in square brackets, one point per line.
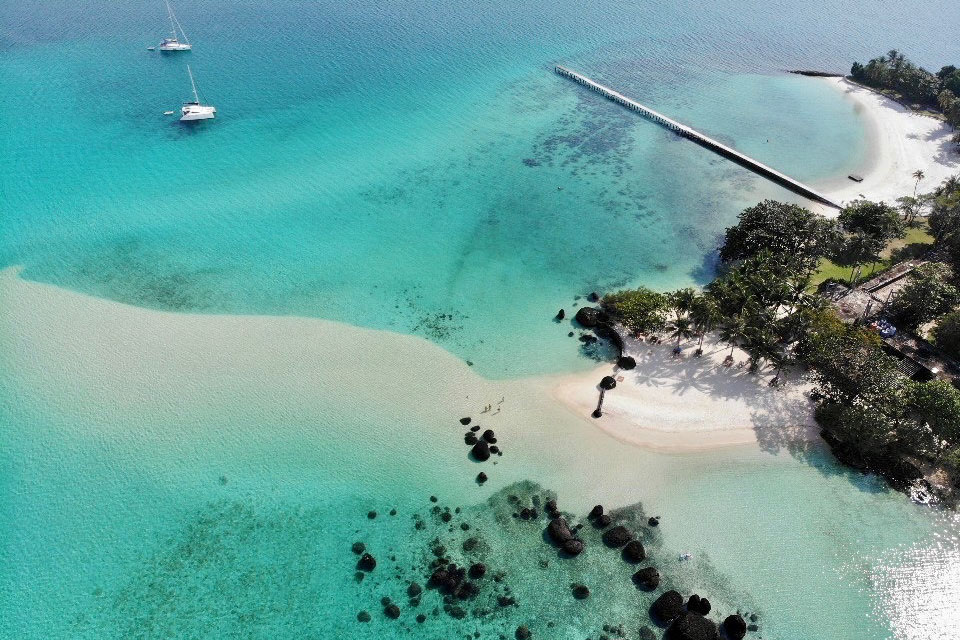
[195, 114]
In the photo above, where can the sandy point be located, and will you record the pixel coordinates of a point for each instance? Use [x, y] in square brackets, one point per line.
[899, 142]
[685, 403]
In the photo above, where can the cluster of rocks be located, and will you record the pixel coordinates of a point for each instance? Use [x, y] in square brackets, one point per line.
[468, 587]
[483, 445]
[689, 622]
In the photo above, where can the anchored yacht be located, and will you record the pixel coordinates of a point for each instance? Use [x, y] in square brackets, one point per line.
[178, 39]
[191, 111]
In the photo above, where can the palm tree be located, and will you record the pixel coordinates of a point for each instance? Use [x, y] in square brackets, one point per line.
[733, 331]
[682, 300]
[705, 315]
[918, 174]
[681, 329]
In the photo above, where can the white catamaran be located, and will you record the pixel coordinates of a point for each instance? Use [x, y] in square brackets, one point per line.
[178, 39]
[191, 111]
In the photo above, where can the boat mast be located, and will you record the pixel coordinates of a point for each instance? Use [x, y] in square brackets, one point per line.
[173, 27]
[196, 98]
[175, 23]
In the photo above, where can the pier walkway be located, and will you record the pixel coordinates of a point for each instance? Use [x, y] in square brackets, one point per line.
[706, 141]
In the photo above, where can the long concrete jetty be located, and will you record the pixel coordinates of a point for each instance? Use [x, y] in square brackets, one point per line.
[706, 141]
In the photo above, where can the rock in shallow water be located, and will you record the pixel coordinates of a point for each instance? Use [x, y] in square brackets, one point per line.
[647, 578]
[522, 633]
[667, 607]
[573, 546]
[634, 551]
[588, 316]
[617, 537]
[367, 562]
[580, 591]
[559, 530]
[481, 451]
[693, 626]
[735, 627]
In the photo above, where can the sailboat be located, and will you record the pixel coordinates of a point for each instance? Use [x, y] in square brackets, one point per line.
[191, 111]
[175, 43]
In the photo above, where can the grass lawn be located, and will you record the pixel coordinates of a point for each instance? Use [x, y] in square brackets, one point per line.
[916, 241]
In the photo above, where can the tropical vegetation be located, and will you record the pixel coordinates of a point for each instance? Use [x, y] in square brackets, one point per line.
[894, 72]
[873, 415]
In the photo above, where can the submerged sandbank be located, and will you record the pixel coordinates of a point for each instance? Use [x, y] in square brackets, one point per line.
[118, 423]
[899, 142]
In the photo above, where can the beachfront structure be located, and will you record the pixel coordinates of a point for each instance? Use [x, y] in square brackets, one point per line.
[701, 139]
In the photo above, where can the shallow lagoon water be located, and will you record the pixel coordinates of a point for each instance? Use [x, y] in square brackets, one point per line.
[396, 166]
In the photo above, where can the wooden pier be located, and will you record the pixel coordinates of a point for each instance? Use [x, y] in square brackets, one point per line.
[706, 141]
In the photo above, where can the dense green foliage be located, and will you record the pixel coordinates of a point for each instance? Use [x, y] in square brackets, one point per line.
[866, 403]
[946, 335]
[640, 310]
[895, 72]
[759, 302]
[788, 231]
[926, 296]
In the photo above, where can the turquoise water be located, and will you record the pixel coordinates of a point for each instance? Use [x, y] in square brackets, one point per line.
[415, 167]
[368, 160]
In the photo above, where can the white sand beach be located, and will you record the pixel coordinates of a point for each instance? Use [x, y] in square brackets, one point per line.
[900, 142]
[685, 403]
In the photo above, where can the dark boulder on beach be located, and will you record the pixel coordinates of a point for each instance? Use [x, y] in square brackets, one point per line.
[464, 421]
[693, 626]
[589, 317]
[654, 521]
[634, 551]
[490, 436]
[481, 477]
[626, 362]
[596, 512]
[480, 451]
[580, 591]
[647, 578]
[523, 633]
[470, 439]
[735, 627]
[561, 314]
[367, 562]
[603, 521]
[573, 546]
[608, 382]
[551, 506]
[617, 537]
[693, 603]
[667, 607]
[559, 530]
